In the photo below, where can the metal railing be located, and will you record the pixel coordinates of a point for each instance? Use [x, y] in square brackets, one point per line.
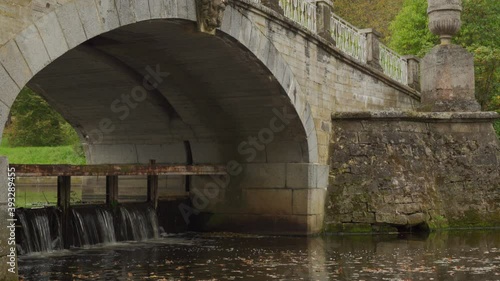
[300, 11]
[348, 38]
[393, 64]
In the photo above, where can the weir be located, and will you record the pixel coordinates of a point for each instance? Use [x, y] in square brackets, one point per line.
[67, 226]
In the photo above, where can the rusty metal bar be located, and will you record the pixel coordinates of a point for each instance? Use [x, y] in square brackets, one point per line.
[117, 170]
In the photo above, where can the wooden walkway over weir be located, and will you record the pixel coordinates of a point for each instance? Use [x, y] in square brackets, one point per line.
[112, 173]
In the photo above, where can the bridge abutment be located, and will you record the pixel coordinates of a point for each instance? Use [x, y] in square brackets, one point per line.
[273, 198]
[397, 170]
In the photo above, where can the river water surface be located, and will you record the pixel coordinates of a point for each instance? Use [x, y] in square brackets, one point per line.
[464, 256]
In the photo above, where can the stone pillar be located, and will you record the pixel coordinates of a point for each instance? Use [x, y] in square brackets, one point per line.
[5, 247]
[373, 48]
[413, 72]
[447, 70]
[324, 11]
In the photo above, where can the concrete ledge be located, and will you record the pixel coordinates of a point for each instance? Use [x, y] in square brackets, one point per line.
[418, 116]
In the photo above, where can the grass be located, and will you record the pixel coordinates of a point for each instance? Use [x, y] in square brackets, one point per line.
[32, 198]
[40, 155]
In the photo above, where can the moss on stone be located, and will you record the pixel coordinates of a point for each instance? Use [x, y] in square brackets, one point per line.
[437, 222]
[473, 219]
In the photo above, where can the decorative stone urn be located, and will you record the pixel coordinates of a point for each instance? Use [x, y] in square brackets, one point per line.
[444, 18]
[447, 71]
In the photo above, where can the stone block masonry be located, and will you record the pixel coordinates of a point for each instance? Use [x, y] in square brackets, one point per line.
[402, 170]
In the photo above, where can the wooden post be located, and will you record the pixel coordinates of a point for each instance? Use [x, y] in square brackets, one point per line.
[63, 202]
[153, 187]
[111, 189]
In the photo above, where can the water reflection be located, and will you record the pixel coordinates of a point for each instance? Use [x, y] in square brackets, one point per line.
[441, 256]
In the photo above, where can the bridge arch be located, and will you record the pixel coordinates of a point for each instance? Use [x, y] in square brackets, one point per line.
[77, 26]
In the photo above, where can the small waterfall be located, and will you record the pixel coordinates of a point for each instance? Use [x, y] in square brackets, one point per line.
[40, 230]
[92, 225]
[137, 223]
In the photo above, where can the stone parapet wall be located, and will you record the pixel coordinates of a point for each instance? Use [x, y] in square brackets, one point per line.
[401, 170]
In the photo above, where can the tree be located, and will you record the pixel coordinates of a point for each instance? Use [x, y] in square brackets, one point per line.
[35, 123]
[375, 14]
[479, 34]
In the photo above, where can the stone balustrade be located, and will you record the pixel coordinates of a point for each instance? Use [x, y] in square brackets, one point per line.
[348, 38]
[394, 65]
[360, 45]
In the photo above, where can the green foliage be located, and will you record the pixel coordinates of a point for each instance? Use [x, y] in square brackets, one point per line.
[35, 123]
[369, 14]
[42, 155]
[409, 30]
[479, 34]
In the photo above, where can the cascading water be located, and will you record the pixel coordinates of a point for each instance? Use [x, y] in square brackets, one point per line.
[40, 230]
[137, 223]
[92, 225]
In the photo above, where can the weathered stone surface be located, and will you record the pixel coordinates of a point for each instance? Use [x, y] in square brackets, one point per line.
[71, 25]
[308, 201]
[301, 175]
[439, 169]
[4, 273]
[272, 175]
[89, 16]
[448, 80]
[269, 201]
[13, 61]
[4, 165]
[37, 58]
[166, 153]
[52, 35]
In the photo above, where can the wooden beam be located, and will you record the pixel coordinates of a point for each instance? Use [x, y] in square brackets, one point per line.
[153, 187]
[111, 189]
[63, 202]
[117, 170]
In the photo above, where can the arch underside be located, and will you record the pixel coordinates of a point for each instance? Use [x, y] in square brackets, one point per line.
[142, 91]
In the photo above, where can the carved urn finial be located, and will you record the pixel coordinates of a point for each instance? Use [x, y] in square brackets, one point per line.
[210, 14]
[444, 18]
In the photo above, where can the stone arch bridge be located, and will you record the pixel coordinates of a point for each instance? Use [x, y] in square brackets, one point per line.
[251, 84]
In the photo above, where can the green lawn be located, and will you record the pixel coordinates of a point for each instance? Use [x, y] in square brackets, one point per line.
[31, 198]
[41, 155]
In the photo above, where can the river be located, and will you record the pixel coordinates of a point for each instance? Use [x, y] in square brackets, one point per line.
[460, 255]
